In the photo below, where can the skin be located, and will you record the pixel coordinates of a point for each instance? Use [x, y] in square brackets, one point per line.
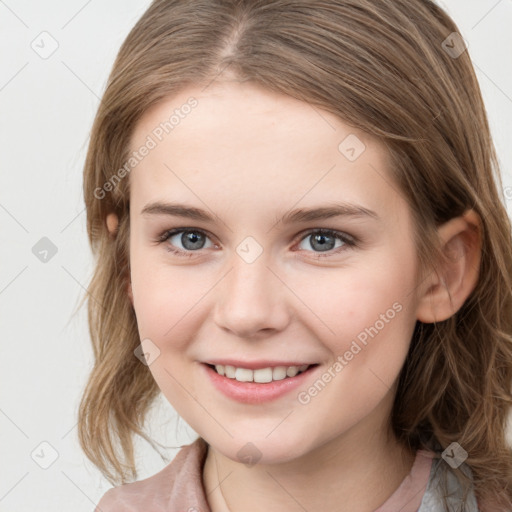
[248, 156]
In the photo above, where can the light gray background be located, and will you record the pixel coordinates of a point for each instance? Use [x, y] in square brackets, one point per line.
[47, 109]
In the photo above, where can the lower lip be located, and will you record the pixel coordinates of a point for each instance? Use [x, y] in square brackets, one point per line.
[253, 392]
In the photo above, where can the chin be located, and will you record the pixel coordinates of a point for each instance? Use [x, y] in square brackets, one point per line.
[251, 449]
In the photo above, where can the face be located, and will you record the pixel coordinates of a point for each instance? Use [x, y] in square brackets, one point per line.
[290, 247]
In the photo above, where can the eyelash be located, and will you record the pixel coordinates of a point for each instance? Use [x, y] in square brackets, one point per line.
[348, 240]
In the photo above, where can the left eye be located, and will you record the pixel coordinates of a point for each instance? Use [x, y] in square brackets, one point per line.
[193, 240]
[325, 240]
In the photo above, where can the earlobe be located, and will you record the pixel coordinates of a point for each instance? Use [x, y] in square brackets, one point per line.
[112, 222]
[445, 291]
[129, 291]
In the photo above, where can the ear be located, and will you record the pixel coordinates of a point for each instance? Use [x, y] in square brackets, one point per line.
[129, 291]
[112, 222]
[444, 292]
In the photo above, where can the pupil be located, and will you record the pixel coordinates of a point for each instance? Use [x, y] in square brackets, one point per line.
[191, 238]
[320, 239]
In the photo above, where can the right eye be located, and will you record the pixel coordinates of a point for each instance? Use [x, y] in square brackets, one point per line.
[191, 239]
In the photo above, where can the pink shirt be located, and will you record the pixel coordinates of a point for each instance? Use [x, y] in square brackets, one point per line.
[179, 487]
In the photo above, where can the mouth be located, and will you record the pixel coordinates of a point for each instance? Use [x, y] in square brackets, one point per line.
[264, 383]
[260, 375]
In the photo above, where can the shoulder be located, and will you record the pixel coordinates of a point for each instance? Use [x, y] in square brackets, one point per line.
[443, 482]
[178, 486]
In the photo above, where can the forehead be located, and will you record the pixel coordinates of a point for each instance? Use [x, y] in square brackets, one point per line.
[239, 143]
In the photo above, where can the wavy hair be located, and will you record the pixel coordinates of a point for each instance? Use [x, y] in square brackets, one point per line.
[386, 67]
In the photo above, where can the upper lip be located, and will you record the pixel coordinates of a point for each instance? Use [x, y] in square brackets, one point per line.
[255, 365]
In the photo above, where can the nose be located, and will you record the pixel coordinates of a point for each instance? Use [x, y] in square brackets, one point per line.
[252, 300]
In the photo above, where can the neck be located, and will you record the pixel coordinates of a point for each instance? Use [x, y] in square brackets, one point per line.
[334, 476]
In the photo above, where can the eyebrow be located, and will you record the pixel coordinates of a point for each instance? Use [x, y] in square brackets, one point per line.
[297, 215]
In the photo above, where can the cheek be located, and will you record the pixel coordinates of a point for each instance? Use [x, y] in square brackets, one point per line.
[371, 313]
[166, 299]
[152, 293]
[350, 300]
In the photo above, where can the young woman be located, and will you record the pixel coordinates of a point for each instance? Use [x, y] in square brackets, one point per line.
[301, 242]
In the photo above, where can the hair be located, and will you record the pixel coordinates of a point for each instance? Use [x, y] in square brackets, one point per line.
[381, 67]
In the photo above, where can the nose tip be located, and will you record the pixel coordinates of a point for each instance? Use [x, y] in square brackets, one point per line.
[251, 301]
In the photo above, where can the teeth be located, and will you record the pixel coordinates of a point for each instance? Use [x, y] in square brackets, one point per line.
[291, 371]
[262, 375]
[279, 373]
[230, 371]
[244, 375]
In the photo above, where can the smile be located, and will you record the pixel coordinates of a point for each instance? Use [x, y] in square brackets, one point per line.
[261, 375]
[259, 385]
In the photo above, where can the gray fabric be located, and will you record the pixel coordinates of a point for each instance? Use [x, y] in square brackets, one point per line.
[432, 500]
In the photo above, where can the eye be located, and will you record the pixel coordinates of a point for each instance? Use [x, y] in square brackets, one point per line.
[324, 240]
[192, 240]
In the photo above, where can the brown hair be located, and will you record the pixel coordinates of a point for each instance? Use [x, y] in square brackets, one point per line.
[382, 66]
